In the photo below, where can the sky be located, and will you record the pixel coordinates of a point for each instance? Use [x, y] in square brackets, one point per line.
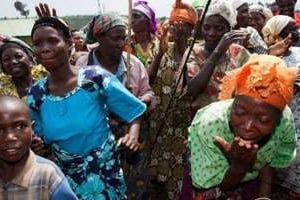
[82, 7]
[85, 7]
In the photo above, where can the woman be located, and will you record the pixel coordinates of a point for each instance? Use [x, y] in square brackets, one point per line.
[283, 28]
[220, 52]
[259, 15]
[19, 70]
[109, 30]
[85, 150]
[169, 127]
[234, 147]
[144, 41]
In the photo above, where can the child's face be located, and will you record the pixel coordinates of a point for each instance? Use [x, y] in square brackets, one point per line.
[15, 132]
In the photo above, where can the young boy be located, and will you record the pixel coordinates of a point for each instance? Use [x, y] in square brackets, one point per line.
[24, 175]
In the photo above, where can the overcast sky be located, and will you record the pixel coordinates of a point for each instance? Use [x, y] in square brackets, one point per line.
[82, 7]
[85, 7]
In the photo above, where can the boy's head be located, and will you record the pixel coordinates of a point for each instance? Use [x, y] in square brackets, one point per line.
[15, 130]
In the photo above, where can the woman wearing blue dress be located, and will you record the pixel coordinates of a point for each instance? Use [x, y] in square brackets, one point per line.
[70, 109]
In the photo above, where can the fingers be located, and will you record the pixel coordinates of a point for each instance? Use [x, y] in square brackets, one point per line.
[223, 144]
[43, 10]
[129, 142]
[38, 11]
[54, 12]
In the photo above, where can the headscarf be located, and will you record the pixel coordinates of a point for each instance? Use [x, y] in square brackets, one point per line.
[238, 3]
[223, 8]
[144, 8]
[273, 28]
[10, 42]
[198, 4]
[183, 12]
[54, 22]
[101, 24]
[263, 77]
[266, 12]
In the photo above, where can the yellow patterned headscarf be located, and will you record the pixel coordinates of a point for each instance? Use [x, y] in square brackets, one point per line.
[273, 27]
[263, 77]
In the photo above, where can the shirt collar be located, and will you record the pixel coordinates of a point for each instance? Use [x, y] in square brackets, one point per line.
[121, 70]
[24, 176]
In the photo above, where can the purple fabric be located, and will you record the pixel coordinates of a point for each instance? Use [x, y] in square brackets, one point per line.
[143, 7]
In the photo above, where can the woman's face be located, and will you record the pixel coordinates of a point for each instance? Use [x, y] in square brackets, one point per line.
[16, 62]
[286, 7]
[140, 21]
[179, 30]
[252, 124]
[112, 42]
[257, 21]
[213, 29]
[243, 15]
[290, 28]
[50, 47]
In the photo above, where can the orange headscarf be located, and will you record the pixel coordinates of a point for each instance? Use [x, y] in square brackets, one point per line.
[263, 77]
[183, 12]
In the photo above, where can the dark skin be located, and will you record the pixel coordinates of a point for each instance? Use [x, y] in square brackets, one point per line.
[242, 16]
[51, 49]
[15, 137]
[257, 21]
[291, 29]
[178, 32]
[17, 64]
[218, 38]
[141, 29]
[250, 127]
[286, 7]
[109, 54]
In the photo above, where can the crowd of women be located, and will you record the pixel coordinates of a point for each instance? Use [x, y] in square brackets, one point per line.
[158, 115]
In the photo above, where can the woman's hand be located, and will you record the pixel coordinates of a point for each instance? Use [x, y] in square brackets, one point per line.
[43, 10]
[234, 36]
[241, 153]
[163, 43]
[130, 141]
[281, 47]
[38, 146]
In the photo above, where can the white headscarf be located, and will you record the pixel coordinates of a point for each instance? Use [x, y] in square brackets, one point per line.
[223, 8]
[266, 12]
[274, 26]
[238, 3]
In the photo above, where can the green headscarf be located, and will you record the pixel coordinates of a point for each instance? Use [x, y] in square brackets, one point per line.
[101, 24]
[198, 4]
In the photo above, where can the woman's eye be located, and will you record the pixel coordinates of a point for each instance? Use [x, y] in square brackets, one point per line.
[264, 119]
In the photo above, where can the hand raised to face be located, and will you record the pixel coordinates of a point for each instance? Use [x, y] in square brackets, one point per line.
[240, 152]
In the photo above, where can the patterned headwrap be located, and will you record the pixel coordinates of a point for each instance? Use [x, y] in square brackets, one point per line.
[10, 42]
[263, 77]
[266, 12]
[101, 24]
[273, 27]
[238, 3]
[54, 22]
[223, 8]
[144, 7]
[183, 12]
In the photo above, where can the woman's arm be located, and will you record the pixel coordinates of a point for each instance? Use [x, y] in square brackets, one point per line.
[265, 181]
[197, 84]
[241, 156]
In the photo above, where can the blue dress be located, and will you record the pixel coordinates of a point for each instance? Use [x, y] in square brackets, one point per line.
[77, 126]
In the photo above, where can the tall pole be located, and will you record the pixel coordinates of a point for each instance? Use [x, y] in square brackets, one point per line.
[129, 40]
